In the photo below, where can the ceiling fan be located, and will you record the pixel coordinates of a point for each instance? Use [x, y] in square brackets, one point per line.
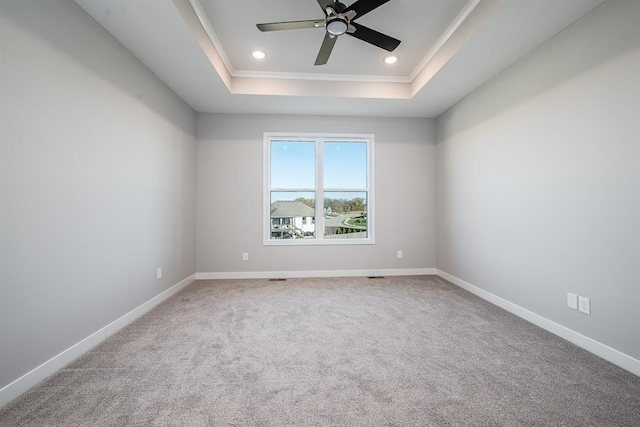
[339, 19]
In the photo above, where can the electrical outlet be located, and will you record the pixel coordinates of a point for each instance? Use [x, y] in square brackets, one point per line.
[245, 256]
[399, 254]
[159, 273]
[572, 300]
[584, 305]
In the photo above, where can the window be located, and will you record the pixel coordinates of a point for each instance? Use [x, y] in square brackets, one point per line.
[318, 189]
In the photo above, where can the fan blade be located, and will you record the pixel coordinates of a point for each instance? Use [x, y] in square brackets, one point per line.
[368, 35]
[326, 48]
[324, 4]
[291, 25]
[362, 7]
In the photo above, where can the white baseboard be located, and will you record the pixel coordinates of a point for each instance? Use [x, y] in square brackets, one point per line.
[319, 273]
[33, 377]
[602, 350]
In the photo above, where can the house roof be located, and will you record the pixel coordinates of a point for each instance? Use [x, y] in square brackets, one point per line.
[290, 209]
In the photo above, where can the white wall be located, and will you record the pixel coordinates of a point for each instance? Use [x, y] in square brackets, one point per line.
[97, 182]
[230, 195]
[538, 188]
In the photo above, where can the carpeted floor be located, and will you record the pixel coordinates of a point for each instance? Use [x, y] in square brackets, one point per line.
[401, 351]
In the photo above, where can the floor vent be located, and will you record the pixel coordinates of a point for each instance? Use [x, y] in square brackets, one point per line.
[375, 277]
[277, 280]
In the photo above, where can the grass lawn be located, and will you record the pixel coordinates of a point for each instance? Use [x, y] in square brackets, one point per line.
[358, 222]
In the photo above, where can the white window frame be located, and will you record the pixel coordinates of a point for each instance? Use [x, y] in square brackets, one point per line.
[318, 138]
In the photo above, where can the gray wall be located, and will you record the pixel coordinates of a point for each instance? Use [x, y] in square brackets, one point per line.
[539, 179]
[97, 182]
[230, 195]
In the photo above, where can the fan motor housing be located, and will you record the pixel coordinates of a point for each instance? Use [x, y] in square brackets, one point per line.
[339, 7]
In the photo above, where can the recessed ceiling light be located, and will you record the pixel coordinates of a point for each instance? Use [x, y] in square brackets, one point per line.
[258, 54]
[391, 59]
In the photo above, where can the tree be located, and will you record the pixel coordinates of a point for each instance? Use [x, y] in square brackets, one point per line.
[357, 204]
[308, 202]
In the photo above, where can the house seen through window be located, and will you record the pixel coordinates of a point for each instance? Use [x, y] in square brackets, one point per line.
[318, 189]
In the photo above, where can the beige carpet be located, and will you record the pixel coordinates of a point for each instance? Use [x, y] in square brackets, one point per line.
[400, 351]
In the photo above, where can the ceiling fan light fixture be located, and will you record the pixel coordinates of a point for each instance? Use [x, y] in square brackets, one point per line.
[338, 20]
[258, 54]
[337, 26]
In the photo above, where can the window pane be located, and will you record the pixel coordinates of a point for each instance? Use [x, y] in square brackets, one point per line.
[345, 215]
[293, 164]
[293, 215]
[345, 165]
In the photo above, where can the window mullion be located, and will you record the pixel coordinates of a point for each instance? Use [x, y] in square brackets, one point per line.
[293, 189]
[346, 189]
[319, 191]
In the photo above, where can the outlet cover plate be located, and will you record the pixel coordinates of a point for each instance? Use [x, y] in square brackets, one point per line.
[584, 305]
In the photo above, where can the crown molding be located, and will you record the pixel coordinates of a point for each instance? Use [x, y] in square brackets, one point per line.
[444, 37]
[208, 28]
[323, 77]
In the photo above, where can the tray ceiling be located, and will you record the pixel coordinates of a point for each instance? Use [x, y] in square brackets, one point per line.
[202, 50]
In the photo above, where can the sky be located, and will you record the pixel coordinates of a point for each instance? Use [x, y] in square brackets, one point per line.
[293, 165]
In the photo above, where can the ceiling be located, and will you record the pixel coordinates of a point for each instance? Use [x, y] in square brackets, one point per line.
[202, 50]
